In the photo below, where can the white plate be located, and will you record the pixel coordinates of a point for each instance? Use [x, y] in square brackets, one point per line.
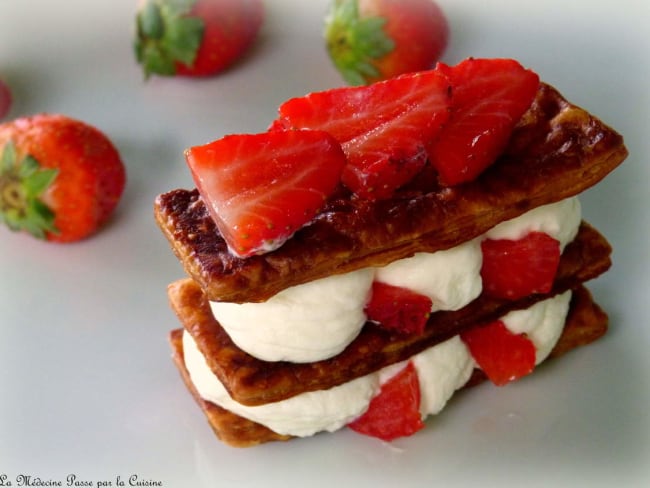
[87, 386]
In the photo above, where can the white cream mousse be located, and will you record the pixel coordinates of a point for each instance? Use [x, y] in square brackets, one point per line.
[441, 370]
[317, 320]
[304, 323]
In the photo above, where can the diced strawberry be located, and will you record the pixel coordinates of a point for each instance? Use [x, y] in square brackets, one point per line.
[514, 269]
[398, 308]
[383, 128]
[261, 188]
[502, 355]
[489, 97]
[395, 411]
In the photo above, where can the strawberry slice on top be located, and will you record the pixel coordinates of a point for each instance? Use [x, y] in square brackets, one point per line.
[384, 128]
[397, 308]
[502, 355]
[261, 188]
[514, 269]
[489, 97]
[395, 411]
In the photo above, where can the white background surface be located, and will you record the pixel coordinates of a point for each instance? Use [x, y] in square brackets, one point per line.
[87, 386]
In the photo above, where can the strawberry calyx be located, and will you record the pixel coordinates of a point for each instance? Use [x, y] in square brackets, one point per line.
[354, 42]
[167, 35]
[23, 183]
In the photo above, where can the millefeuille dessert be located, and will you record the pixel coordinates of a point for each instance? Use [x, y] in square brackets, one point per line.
[380, 247]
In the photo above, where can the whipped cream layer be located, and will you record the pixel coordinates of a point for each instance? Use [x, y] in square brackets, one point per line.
[318, 320]
[441, 370]
[303, 323]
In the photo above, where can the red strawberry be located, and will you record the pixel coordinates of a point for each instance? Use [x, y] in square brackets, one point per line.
[60, 179]
[489, 97]
[5, 99]
[517, 268]
[502, 355]
[194, 37]
[395, 411]
[372, 40]
[261, 188]
[383, 128]
[398, 308]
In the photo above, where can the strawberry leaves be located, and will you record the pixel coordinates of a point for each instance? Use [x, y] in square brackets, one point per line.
[353, 41]
[22, 184]
[194, 37]
[166, 36]
[373, 40]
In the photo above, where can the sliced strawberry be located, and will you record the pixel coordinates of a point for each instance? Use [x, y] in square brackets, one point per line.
[383, 128]
[398, 308]
[517, 268]
[489, 97]
[502, 355]
[261, 188]
[395, 411]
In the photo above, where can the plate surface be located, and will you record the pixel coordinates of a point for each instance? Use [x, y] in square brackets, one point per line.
[88, 387]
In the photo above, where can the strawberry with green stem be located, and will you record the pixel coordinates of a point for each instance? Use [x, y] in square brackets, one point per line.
[22, 185]
[5, 99]
[372, 40]
[194, 37]
[60, 178]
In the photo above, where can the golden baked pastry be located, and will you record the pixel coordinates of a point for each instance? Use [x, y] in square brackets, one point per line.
[556, 151]
[585, 323]
[251, 381]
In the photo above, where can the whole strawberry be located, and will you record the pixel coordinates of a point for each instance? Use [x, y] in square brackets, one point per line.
[194, 37]
[372, 40]
[60, 178]
[5, 99]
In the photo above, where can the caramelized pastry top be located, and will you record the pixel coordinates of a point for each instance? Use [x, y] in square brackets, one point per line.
[556, 151]
[585, 323]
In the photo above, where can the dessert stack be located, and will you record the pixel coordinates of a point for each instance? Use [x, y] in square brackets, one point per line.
[380, 247]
